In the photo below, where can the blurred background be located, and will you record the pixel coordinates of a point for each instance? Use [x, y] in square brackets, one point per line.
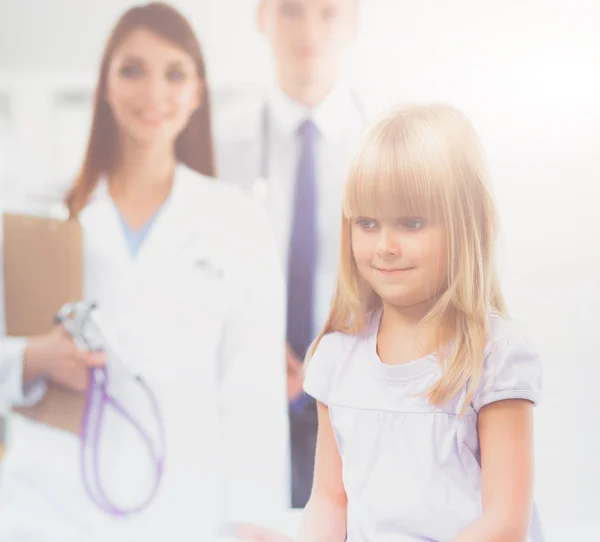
[525, 71]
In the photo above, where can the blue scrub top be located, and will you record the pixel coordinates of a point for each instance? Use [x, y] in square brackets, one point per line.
[135, 238]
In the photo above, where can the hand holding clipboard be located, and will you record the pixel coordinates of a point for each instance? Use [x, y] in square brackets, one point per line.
[42, 270]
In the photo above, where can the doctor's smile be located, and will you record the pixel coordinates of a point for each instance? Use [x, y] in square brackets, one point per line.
[150, 117]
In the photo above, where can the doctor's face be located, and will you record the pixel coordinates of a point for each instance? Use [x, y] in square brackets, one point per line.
[152, 88]
[308, 37]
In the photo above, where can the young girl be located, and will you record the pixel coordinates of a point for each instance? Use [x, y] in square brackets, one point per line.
[425, 388]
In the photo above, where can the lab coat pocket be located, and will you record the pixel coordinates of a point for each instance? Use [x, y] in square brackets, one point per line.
[204, 278]
[192, 280]
[184, 301]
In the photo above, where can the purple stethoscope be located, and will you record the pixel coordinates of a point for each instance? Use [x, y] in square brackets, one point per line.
[78, 319]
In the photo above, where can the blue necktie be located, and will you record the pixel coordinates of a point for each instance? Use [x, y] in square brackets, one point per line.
[303, 247]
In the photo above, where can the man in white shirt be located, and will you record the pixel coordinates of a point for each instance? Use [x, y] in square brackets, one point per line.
[292, 151]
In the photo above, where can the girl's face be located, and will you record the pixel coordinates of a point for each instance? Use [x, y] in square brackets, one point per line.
[404, 259]
[152, 88]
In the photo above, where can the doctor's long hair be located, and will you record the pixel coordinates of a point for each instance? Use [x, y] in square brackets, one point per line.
[426, 161]
[193, 147]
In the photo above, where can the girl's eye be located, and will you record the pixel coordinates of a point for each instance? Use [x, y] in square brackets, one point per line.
[367, 223]
[412, 223]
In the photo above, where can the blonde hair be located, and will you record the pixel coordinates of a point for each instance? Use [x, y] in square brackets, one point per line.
[427, 161]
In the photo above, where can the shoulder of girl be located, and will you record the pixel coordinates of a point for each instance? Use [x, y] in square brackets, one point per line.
[333, 343]
[508, 335]
[502, 327]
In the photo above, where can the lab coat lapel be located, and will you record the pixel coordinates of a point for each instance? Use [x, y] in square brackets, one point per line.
[106, 232]
[172, 229]
[179, 221]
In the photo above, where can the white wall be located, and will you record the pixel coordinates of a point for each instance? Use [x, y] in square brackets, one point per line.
[526, 71]
[67, 36]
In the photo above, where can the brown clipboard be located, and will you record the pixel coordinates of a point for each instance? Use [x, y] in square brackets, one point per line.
[43, 270]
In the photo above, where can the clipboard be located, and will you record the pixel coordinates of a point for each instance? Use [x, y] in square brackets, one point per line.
[43, 270]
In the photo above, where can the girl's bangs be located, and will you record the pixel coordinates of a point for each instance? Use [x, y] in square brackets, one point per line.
[392, 178]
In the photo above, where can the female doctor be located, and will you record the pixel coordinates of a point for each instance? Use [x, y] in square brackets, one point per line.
[185, 275]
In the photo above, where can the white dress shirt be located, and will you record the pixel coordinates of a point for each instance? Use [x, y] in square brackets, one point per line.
[241, 141]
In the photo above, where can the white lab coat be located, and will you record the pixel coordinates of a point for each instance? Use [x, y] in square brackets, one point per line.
[199, 313]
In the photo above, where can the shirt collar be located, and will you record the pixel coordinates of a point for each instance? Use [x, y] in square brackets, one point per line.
[328, 116]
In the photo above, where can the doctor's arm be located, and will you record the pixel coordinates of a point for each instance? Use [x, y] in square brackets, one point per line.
[26, 363]
[14, 378]
[506, 440]
[13, 381]
[253, 384]
[21, 369]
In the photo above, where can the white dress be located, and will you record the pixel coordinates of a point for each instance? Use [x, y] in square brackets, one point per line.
[411, 470]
